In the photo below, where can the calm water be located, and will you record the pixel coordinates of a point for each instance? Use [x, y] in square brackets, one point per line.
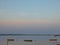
[36, 40]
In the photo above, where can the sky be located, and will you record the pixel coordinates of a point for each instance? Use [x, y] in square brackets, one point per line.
[29, 16]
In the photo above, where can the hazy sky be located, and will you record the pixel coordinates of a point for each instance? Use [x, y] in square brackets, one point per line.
[39, 14]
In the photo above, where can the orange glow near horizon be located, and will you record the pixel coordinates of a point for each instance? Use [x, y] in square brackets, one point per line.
[22, 22]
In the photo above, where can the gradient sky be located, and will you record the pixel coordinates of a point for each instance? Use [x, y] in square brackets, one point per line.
[44, 15]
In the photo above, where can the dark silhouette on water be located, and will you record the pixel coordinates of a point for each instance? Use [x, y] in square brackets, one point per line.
[29, 34]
